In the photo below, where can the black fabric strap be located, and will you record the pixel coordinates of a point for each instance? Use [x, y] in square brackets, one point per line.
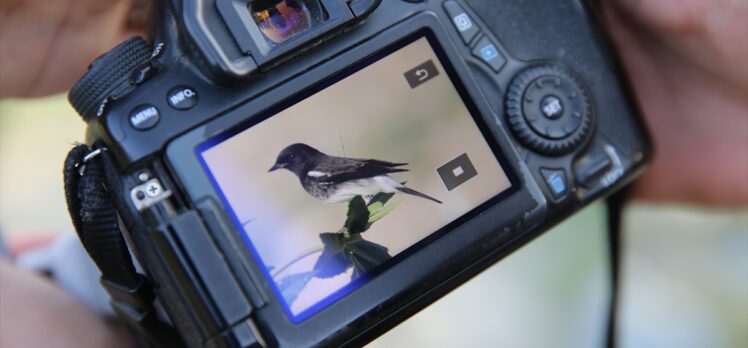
[95, 218]
[615, 206]
[94, 215]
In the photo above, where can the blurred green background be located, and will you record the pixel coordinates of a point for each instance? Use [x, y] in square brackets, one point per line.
[685, 272]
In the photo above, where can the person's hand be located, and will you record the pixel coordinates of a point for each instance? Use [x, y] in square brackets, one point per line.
[45, 46]
[34, 312]
[688, 64]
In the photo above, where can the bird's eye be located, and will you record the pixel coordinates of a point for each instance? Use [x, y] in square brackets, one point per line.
[291, 156]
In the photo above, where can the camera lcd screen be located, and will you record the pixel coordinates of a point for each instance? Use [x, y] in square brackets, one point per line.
[342, 182]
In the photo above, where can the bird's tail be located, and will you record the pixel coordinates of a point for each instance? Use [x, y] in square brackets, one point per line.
[413, 192]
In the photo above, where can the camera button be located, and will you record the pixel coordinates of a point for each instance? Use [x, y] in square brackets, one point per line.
[590, 167]
[182, 97]
[556, 181]
[144, 117]
[464, 24]
[457, 172]
[421, 74]
[487, 51]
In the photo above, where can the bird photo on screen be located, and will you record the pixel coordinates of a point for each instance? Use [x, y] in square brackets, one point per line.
[334, 179]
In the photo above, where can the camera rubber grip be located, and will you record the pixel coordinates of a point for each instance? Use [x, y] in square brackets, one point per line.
[105, 73]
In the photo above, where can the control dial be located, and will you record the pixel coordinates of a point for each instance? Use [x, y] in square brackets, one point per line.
[105, 74]
[549, 110]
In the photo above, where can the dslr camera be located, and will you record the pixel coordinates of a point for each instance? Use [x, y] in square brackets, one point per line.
[298, 173]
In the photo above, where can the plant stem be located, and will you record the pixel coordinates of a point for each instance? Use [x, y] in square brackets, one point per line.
[280, 270]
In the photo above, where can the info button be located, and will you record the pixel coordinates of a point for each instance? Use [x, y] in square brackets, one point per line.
[182, 97]
[457, 171]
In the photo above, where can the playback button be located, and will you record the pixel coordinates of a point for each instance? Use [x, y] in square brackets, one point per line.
[182, 97]
[487, 51]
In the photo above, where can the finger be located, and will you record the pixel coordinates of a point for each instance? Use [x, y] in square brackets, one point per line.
[55, 318]
[78, 41]
[46, 46]
[23, 45]
[711, 34]
[700, 129]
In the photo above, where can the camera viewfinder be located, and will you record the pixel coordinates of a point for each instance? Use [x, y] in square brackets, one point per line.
[279, 20]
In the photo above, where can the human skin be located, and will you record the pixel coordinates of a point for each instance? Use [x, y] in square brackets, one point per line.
[34, 312]
[45, 46]
[686, 59]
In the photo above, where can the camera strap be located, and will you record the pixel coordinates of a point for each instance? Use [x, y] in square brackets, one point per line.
[615, 205]
[97, 223]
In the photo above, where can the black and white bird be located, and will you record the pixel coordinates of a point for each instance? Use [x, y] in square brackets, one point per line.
[334, 179]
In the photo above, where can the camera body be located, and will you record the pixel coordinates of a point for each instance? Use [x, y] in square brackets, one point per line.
[540, 123]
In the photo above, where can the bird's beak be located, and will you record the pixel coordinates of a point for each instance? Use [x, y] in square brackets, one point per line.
[275, 167]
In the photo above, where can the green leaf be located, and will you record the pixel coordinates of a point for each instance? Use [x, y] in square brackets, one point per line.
[348, 249]
[341, 253]
[366, 255]
[378, 207]
[332, 261]
[381, 213]
[381, 198]
[358, 216]
[374, 207]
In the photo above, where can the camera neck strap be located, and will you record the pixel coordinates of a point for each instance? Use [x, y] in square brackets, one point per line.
[89, 191]
[615, 209]
[95, 218]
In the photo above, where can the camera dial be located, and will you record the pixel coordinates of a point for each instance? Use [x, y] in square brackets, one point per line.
[105, 76]
[548, 109]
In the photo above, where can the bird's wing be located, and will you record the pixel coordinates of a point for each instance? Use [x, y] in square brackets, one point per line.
[334, 170]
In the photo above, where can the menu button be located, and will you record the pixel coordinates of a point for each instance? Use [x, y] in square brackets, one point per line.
[144, 117]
